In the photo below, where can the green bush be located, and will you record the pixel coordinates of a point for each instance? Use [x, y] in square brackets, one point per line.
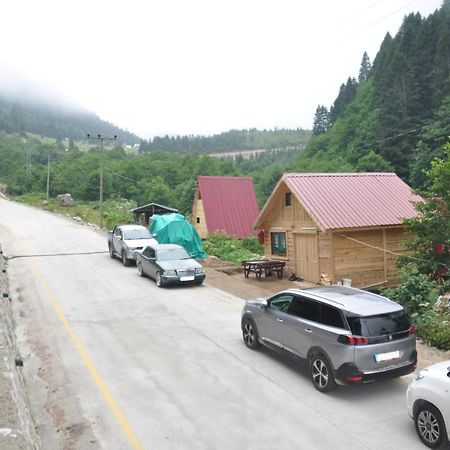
[434, 328]
[231, 249]
[418, 296]
[117, 211]
[417, 292]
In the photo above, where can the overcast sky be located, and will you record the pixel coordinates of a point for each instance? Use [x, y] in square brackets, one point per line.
[195, 66]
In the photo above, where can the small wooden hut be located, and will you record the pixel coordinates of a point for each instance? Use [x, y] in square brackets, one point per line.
[338, 226]
[150, 209]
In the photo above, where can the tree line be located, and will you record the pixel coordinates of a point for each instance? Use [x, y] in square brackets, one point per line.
[59, 122]
[162, 177]
[395, 115]
[232, 140]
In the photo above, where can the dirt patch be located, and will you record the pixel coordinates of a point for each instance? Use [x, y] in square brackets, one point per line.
[230, 278]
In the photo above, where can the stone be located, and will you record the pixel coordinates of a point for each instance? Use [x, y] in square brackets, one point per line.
[65, 199]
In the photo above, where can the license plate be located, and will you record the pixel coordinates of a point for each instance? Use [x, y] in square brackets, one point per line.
[186, 278]
[387, 356]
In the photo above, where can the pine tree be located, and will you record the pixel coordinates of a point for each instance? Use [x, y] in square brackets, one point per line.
[365, 68]
[321, 120]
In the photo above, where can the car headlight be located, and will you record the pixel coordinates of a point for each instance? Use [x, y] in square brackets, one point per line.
[199, 270]
[170, 273]
[420, 375]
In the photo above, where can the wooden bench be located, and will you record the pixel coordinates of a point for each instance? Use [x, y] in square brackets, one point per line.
[266, 267]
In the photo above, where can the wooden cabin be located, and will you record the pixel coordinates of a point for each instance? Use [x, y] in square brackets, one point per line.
[338, 226]
[224, 205]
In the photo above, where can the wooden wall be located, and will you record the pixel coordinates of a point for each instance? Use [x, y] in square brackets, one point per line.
[292, 220]
[364, 265]
[198, 211]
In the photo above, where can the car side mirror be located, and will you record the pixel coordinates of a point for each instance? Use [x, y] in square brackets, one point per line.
[263, 305]
[119, 238]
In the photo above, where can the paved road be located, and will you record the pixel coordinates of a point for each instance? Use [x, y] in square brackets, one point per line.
[114, 362]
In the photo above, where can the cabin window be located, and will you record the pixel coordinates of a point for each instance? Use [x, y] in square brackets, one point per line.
[288, 199]
[198, 219]
[278, 241]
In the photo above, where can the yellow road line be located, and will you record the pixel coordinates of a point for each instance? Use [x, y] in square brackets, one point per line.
[113, 406]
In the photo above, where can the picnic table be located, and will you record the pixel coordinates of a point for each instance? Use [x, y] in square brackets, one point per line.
[264, 266]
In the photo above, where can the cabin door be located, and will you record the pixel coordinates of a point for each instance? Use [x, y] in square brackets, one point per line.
[307, 256]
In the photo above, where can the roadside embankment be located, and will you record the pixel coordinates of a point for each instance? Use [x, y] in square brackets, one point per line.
[17, 431]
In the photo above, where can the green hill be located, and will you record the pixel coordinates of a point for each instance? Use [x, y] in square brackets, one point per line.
[395, 116]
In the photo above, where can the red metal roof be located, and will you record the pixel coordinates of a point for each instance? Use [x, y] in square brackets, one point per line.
[347, 200]
[229, 203]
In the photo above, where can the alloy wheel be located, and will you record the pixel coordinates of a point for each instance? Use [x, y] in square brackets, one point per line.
[320, 374]
[249, 334]
[428, 427]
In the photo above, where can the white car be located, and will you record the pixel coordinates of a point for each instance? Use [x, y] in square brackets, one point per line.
[428, 400]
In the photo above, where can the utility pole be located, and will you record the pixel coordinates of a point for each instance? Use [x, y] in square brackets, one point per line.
[28, 162]
[102, 167]
[48, 175]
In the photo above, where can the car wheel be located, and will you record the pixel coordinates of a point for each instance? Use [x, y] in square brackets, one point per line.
[125, 260]
[159, 281]
[140, 270]
[250, 334]
[321, 373]
[430, 426]
[111, 251]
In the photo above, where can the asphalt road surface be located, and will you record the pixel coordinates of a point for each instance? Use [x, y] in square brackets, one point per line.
[113, 362]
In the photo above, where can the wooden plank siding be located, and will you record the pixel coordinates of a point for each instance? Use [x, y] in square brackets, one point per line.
[199, 212]
[326, 261]
[368, 266]
[396, 239]
[291, 220]
[362, 264]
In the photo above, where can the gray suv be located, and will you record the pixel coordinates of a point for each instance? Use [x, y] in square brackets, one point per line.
[347, 335]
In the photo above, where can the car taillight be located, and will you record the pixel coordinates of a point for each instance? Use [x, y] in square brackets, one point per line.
[353, 377]
[412, 330]
[352, 340]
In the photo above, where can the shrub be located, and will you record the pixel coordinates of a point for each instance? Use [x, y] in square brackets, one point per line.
[417, 292]
[418, 296]
[117, 211]
[434, 328]
[231, 249]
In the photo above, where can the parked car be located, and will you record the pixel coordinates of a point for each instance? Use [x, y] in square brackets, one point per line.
[126, 241]
[169, 264]
[428, 401]
[347, 335]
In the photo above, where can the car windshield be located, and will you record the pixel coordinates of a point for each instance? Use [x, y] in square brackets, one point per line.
[137, 234]
[380, 325]
[172, 254]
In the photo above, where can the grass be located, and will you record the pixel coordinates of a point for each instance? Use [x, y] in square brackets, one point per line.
[233, 250]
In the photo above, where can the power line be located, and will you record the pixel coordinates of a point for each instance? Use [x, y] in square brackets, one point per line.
[390, 138]
[54, 254]
[360, 12]
[382, 18]
[389, 251]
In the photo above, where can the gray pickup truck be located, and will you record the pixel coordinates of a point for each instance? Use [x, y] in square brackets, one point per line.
[126, 241]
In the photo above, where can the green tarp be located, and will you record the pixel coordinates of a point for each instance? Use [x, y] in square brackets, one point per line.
[175, 229]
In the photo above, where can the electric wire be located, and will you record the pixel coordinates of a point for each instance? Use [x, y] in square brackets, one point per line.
[389, 251]
[53, 254]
